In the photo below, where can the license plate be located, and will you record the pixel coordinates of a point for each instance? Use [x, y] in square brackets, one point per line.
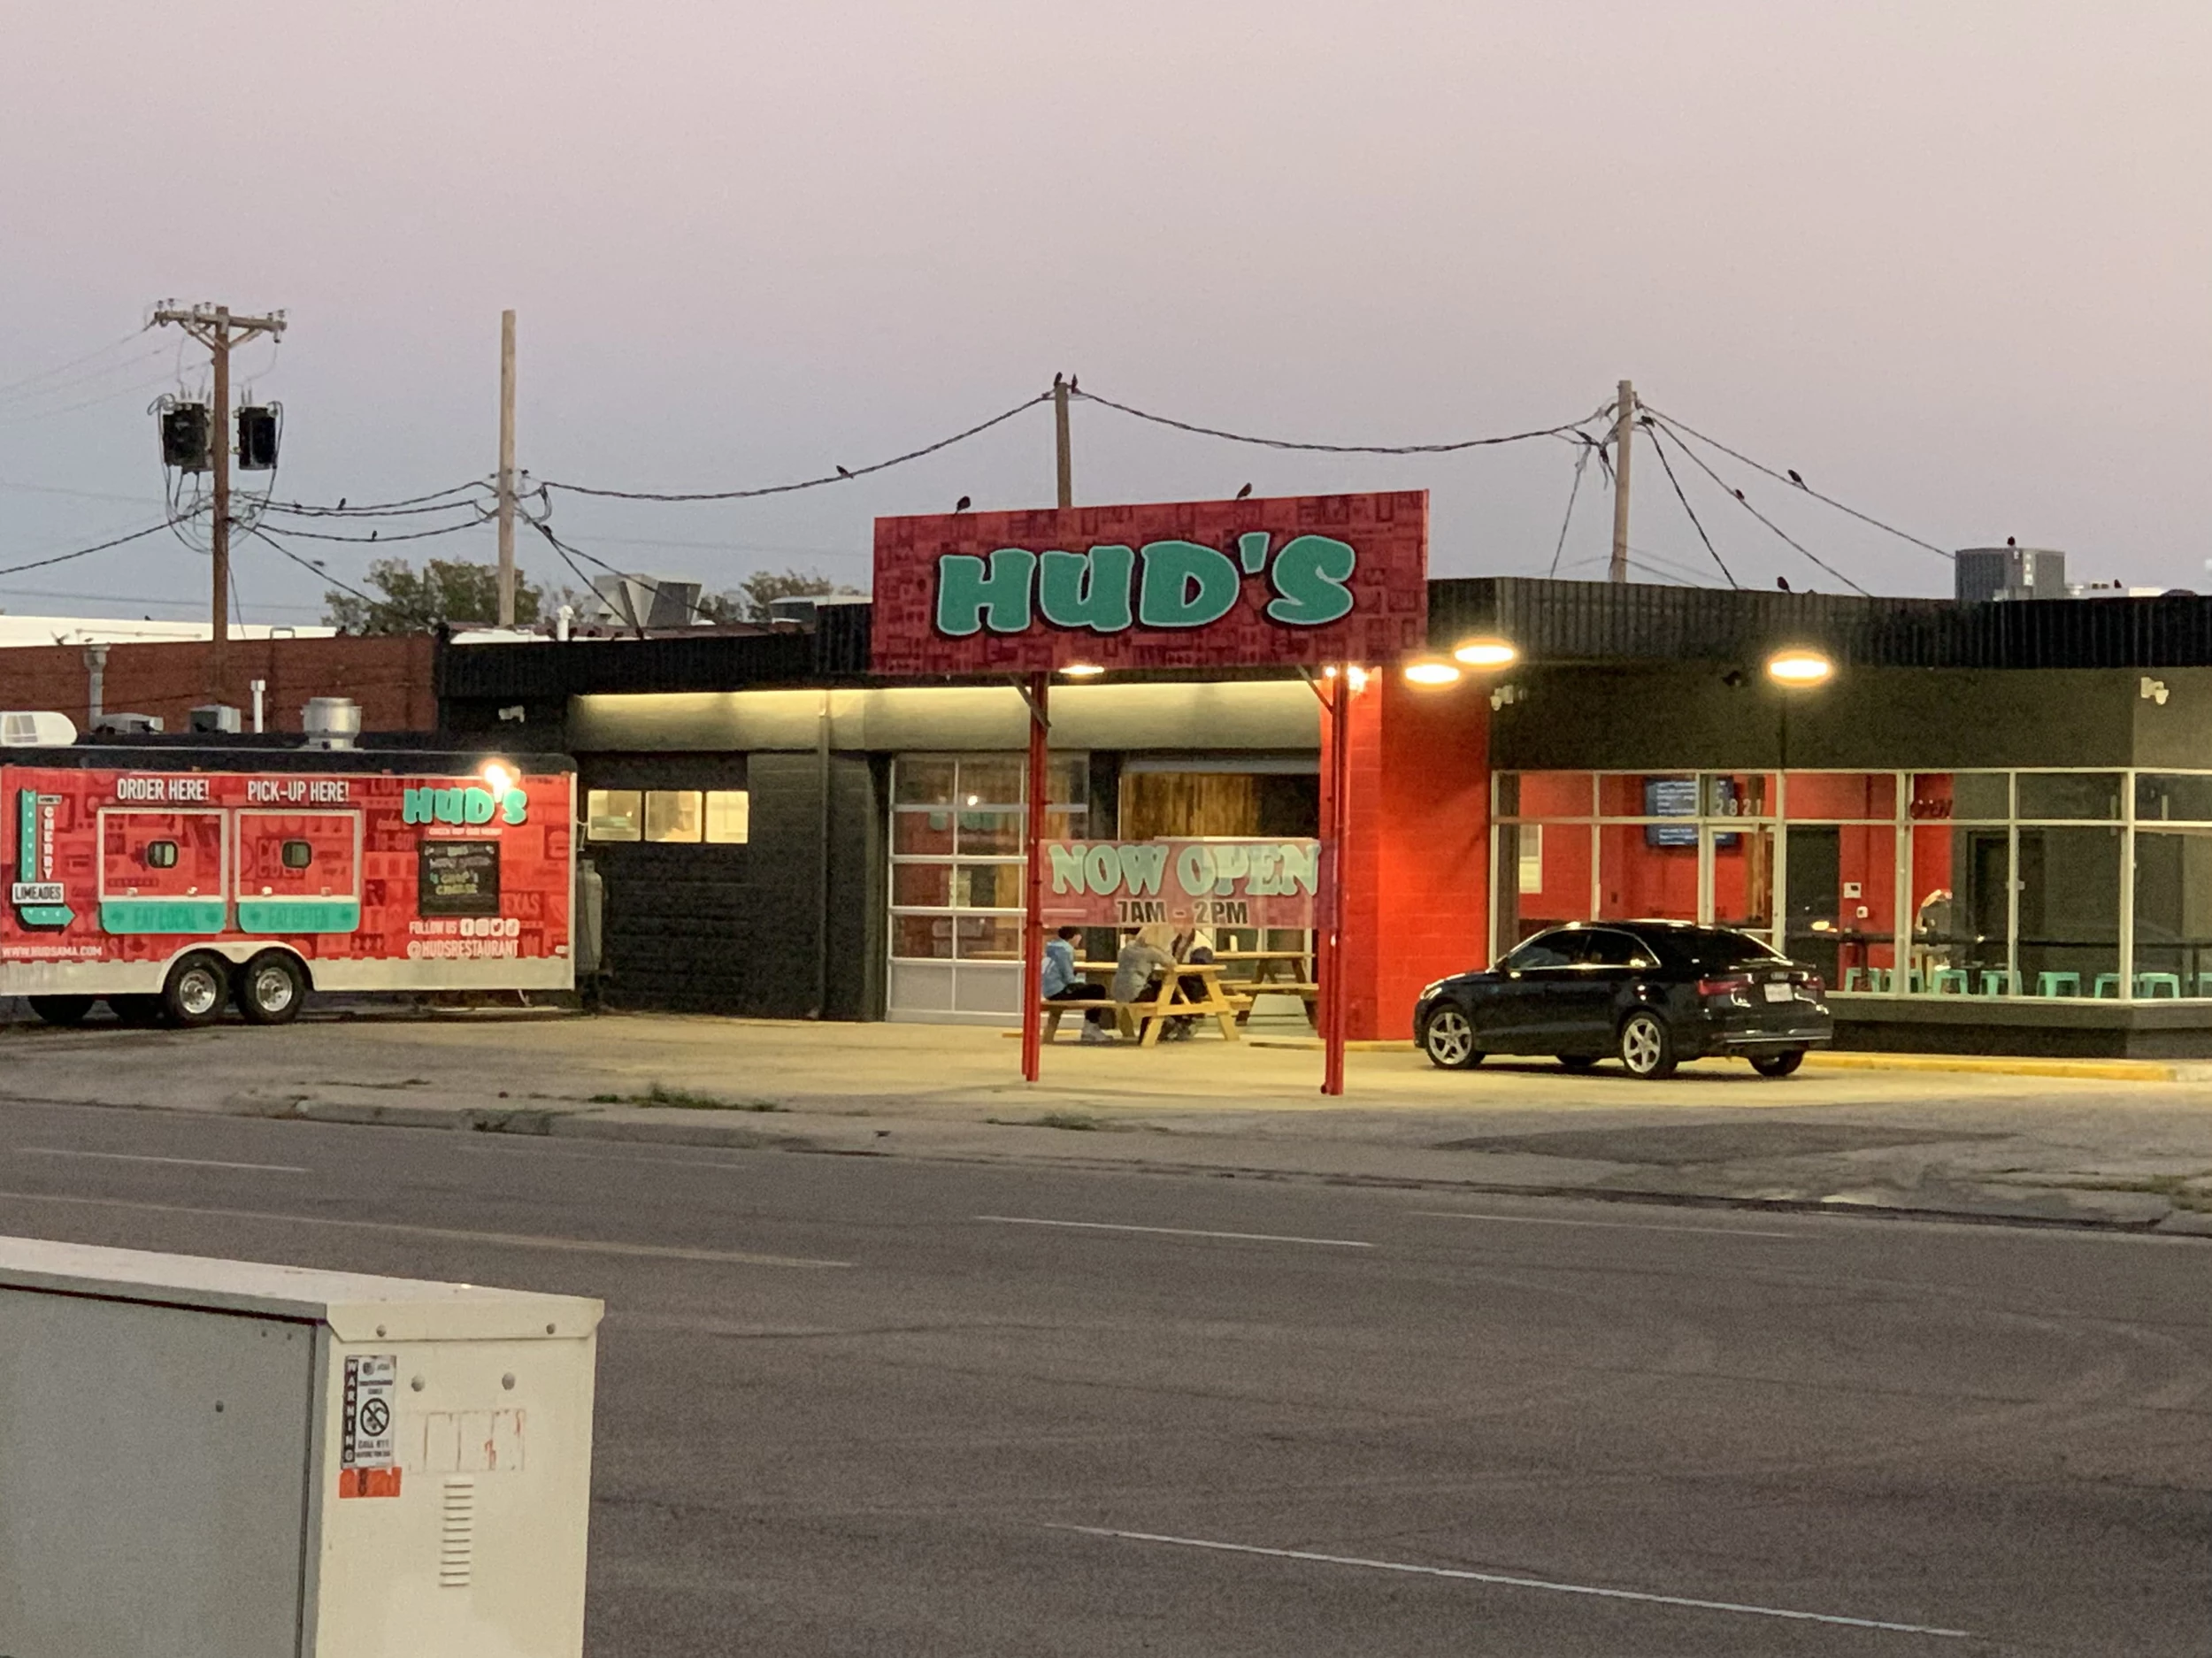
[1780, 992]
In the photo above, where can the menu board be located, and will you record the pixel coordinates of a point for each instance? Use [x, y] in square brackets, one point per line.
[458, 877]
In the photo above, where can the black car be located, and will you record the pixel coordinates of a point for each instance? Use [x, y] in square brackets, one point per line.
[1652, 993]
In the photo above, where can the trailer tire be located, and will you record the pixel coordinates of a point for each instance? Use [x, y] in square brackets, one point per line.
[62, 1010]
[197, 988]
[140, 1010]
[271, 988]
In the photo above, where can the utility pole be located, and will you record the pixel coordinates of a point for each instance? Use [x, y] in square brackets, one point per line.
[1624, 422]
[506, 469]
[1066, 449]
[216, 328]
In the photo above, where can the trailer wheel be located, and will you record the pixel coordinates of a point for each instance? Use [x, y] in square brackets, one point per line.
[197, 988]
[271, 989]
[62, 1010]
[141, 1010]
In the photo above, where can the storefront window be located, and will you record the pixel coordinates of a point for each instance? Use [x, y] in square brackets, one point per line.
[2067, 795]
[2070, 910]
[673, 815]
[2173, 910]
[729, 816]
[2164, 798]
[612, 814]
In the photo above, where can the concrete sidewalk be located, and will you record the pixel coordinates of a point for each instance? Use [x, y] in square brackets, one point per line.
[2053, 1149]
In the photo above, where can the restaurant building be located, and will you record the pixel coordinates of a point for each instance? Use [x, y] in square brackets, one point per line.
[1991, 828]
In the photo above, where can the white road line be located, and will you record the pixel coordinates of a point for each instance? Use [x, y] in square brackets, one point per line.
[502, 1240]
[1503, 1580]
[1609, 1225]
[186, 1162]
[1174, 1231]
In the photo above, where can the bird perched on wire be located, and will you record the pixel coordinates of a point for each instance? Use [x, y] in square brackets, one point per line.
[962, 504]
[1795, 478]
[841, 472]
[1244, 492]
[1740, 495]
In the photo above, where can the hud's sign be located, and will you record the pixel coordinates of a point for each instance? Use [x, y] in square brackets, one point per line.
[1211, 883]
[1305, 578]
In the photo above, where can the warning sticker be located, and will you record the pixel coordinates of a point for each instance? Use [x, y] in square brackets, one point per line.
[372, 1379]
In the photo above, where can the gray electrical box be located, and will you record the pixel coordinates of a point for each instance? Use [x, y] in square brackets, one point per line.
[220, 1459]
[1983, 573]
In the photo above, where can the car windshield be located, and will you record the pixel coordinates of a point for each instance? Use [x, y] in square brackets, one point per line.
[1701, 949]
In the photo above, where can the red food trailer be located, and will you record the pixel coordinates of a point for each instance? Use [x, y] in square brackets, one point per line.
[172, 880]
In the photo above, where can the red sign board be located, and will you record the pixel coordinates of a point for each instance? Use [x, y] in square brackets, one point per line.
[1300, 578]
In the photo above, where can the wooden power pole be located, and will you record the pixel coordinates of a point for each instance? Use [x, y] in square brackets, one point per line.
[506, 469]
[216, 328]
[1624, 422]
[1066, 448]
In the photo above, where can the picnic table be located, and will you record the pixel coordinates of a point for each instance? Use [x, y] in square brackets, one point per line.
[1273, 973]
[1146, 1019]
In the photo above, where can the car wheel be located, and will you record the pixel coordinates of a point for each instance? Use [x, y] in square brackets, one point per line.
[1578, 1062]
[62, 1010]
[271, 989]
[1646, 1046]
[198, 986]
[1782, 1064]
[1448, 1039]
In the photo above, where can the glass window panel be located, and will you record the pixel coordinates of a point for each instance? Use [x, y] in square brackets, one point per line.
[674, 814]
[1743, 878]
[984, 833]
[1956, 887]
[988, 886]
[1509, 794]
[991, 782]
[1531, 859]
[925, 885]
[2170, 798]
[1738, 795]
[2070, 910]
[1641, 880]
[989, 938]
[926, 833]
[1550, 874]
[1556, 795]
[1969, 796]
[1629, 795]
[924, 783]
[921, 937]
[2173, 913]
[612, 814]
[2070, 795]
[1840, 901]
[1070, 780]
[729, 816]
[1070, 823]
[1814, 795]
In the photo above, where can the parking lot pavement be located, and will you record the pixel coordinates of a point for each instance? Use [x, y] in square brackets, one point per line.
[2032, 1148]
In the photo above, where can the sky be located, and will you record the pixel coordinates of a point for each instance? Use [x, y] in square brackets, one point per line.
[1947, 260]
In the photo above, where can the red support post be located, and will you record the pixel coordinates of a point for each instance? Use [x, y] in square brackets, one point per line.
[1033, 882]
[1336, 829]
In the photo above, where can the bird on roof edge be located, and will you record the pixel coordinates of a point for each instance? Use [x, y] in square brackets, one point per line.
[1782, 582]
[960, 505]
[1244, 492]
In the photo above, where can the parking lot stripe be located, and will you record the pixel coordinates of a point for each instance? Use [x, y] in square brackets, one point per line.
[1174, 1231]
[1504, 1580]
[1609, 1225]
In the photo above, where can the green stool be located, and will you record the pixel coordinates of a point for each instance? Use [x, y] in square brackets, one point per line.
[2150, 986]
[1854, 978]
[2000, 981]
[2204, 983]
[2058, 984]
[1950, 981]
[2107, 983]
[1914, 984]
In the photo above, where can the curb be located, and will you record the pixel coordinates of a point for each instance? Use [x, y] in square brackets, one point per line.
[2000, 1065]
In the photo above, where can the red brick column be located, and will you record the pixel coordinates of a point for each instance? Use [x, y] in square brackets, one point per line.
[1418, 889]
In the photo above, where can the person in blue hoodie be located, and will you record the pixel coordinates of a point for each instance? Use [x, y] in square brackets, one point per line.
[1062, 983]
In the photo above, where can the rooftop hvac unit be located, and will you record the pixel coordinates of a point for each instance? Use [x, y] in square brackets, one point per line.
[257, 437]
[214, 1459]
[127, 726]
[40, 730]
[217, 716]
[331, 722]
[1981, 574]
[184, 434]
[647, 601]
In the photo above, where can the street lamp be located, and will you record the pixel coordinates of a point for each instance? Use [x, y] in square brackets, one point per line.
[1797, 669]
[1486, 652]
[1432, 672]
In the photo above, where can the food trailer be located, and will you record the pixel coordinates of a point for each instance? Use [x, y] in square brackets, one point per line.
[172, 880]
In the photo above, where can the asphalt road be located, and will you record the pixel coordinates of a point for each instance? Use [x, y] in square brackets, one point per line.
[851, 1405]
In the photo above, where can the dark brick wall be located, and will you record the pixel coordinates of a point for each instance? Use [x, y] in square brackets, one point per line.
[739, 929]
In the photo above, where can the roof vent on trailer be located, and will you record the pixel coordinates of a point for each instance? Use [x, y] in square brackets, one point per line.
[36, 730]
[331, 722]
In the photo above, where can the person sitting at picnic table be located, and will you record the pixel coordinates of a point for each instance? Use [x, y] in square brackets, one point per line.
[1185, 948]
[1140, 969]
[1062, 983]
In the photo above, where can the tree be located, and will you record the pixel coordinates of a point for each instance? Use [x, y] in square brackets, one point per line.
[444, 590]
[748, 602]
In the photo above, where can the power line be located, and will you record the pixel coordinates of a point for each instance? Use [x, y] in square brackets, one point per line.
[1771, 524]
[131, 390]
[1452, 447]
[1660, 449]
[74, 362]
[375, 509]
[85, 552]
[304, 563]
[1677, 427]
[378, 539]
[1581, 462]
[842, 475]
